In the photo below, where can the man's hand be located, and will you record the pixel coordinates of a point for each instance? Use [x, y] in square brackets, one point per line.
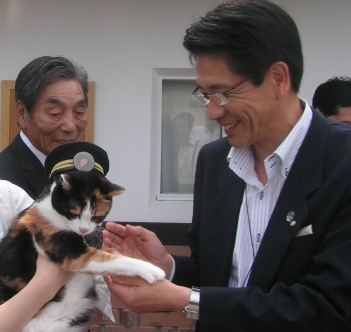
[137, 242]
[139, 296]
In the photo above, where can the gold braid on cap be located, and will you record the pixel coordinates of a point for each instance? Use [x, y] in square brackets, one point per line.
[69, 164]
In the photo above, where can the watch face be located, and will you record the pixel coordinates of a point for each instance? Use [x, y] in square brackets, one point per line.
[190, 313]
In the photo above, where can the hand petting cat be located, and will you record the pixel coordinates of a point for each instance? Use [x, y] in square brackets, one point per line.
[138, 242]
[136, 294]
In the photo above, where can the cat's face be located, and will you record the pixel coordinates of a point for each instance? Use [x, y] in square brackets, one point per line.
[83, 200]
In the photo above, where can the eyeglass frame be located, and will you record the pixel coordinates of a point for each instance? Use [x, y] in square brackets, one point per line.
[222, 96]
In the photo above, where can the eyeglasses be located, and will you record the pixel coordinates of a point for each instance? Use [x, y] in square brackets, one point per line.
[218, 98]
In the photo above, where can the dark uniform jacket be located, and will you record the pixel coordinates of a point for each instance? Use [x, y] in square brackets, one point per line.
[19, 165]
[297, 283]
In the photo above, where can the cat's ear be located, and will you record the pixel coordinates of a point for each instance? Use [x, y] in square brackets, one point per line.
[65, 181]
[116, 190]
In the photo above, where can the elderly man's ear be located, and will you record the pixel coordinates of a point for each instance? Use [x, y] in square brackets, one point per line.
[22, 115]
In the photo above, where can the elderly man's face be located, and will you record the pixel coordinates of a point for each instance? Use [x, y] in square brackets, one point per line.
[58, 116]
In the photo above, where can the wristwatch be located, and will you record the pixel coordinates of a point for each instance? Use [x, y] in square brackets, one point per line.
[192, 309]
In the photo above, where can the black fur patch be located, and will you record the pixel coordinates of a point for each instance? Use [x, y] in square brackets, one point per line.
[66, 244]
[18, 254]
[83, 318]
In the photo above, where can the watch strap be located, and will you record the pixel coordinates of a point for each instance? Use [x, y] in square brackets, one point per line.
[191, 310]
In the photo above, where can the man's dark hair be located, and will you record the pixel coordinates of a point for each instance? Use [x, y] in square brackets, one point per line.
[40, 72]
[333, 94]
[250, 36]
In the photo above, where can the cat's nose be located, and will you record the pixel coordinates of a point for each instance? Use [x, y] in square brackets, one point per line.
[83, 230]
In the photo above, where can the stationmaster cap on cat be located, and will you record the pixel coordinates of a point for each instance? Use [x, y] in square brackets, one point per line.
[82, 156]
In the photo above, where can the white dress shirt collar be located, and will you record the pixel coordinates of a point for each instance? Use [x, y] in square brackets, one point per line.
[241, 161]
[41, 156]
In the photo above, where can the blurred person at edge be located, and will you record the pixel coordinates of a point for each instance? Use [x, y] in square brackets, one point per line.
[333, 99]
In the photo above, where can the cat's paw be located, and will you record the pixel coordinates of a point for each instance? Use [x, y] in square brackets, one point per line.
[152, 273]
[126, 266]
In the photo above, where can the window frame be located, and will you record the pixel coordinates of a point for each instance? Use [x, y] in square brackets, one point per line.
[156, 196]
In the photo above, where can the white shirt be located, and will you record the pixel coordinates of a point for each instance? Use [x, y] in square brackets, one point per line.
[41, 156]
[13, 199]
[259, 200]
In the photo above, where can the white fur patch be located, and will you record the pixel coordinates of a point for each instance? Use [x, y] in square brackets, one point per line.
[76, 225]
[45, 208]
[128, 267]
[57, 315]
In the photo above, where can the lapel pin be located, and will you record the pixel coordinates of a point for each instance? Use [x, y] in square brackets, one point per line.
[290, 218]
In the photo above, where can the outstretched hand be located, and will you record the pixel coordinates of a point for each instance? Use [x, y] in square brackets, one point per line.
[139, 296]
[137, 242]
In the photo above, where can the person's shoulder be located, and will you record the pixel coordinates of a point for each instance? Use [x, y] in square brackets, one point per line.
[216, 149]
[218, 145]
[9, 160]
[14, 192]
[333, 132]
[10, 188]
[13, 199]
[8, 152]
[340, 133]
[340, 128]
[15, 155]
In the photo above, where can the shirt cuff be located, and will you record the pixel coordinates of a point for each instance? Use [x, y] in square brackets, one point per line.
[173, 269]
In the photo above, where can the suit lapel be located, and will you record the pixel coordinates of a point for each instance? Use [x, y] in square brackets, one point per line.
[223, 225]
[36, 175]
[304, 178]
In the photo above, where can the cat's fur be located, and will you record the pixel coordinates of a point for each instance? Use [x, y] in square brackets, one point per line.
[72, 206]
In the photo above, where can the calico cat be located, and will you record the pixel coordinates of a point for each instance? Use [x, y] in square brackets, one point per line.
[55, 225]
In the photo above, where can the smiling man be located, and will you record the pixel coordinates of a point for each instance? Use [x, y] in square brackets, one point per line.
[52, 99]
[270, 236]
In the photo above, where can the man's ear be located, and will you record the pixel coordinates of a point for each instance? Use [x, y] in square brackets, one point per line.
[280, 75]
[22, 115]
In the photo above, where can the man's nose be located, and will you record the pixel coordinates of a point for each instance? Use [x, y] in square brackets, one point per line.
[69, 122]
[215, 111]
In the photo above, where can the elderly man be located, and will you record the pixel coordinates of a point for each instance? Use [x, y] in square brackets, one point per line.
[52, 100]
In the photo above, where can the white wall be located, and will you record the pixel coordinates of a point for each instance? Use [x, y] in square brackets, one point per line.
[120, 41]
